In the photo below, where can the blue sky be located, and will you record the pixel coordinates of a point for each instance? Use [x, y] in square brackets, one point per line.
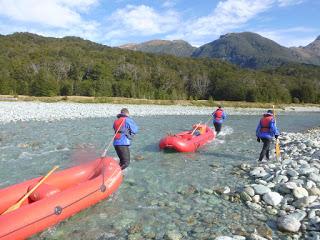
[117, 22]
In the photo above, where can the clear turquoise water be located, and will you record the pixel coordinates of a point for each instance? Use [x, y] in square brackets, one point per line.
[150, 197]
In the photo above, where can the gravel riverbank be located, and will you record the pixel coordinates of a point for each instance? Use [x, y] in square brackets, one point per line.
[39, 111]
[288, 192]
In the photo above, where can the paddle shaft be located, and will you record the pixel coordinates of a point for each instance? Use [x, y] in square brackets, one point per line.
[208, 120]
[18, 204]
[277, 140]
[107, 148]
[274, 115]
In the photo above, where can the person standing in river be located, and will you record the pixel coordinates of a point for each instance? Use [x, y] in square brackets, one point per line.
[125, 128]
[218, 117]
[266, 131]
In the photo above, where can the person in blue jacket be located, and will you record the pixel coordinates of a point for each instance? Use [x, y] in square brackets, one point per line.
[125, 128]
[218, 116]
[266, 131]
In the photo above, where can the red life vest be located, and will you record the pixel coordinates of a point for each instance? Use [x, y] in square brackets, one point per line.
[119, 124]
[218, 114]
[265, 123]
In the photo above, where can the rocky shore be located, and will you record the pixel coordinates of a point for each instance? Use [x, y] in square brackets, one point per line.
[287, 191]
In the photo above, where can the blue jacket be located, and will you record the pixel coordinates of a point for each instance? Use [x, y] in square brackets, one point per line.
[223, 117]
[273, 131]
[131, 129]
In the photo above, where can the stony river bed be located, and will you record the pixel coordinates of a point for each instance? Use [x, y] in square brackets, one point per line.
[172, 195]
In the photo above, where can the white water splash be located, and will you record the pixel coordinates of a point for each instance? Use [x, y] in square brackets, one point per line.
[226, 130]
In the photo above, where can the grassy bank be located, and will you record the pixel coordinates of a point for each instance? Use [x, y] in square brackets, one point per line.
[119, 100]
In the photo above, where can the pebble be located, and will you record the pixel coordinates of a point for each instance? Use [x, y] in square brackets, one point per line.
[315, 177]
[249, 191]
[261, 189]
[245, 197]
[289, 224]
[254, 206]
[300, 192]
[256, 198]
[315, 191]
[172, 235]
[298, 214]
[272, 198]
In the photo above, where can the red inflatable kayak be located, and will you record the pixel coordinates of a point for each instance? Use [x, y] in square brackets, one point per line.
[188, 141]
[60, 196]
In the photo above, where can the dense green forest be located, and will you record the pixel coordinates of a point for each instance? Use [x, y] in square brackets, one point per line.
[41, 66]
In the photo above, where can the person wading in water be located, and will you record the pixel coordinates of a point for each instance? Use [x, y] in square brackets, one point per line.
[265, 131]
[218, 117]
[125, 128]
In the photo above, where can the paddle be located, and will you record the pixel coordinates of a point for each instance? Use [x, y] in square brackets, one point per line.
[18, 204]
[195, 128]
[277, 140]
[103, 155]
[208, 120]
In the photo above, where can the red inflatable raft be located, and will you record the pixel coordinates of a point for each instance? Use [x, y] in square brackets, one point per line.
[60, 196]
[188, 141]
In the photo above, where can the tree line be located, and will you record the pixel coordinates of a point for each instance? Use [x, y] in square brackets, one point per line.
[40, 66]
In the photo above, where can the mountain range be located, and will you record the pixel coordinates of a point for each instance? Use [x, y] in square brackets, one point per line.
[246, 49]
[45, 66]
[178, 48]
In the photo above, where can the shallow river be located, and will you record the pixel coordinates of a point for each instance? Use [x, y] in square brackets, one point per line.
[161, 192]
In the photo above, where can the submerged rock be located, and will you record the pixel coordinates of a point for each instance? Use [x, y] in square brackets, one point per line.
[224, 238]
[245, 197]
[139, 158]
[255, 236]
[254, 206]
[261, 189]
[173, 235]
[249, 191]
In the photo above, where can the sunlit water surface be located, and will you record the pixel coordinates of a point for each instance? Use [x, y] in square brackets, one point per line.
[157, 194]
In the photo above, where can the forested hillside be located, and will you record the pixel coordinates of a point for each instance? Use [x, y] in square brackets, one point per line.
[250, 50]
[40, 66]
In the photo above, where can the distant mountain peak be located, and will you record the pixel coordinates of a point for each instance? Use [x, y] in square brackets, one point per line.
[252, 50]
[178, 48]
[314, 47]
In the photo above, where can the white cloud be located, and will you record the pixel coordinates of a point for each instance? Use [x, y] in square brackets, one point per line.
[291, 37]
[169, 3]
[227, 16]
[66, 17]
[141, 20]
[285, 3]
[52, 13]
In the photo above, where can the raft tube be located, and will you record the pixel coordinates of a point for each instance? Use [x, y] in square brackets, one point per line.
[186, 141]
[60, 196]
